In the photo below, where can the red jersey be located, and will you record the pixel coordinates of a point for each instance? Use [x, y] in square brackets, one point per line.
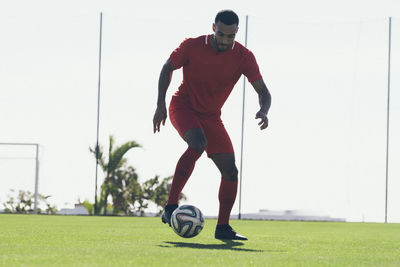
[209, 76]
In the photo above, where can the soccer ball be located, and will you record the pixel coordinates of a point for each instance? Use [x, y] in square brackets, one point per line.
[187, 221]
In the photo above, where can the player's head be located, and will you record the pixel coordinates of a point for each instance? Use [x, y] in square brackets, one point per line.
[225, 28]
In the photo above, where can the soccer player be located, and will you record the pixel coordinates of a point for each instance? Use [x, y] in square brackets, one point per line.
[212, 64]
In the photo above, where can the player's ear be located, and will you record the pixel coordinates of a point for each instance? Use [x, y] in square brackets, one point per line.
[213, 27]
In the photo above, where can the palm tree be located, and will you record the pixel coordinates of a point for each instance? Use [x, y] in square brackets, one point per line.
[112, 168]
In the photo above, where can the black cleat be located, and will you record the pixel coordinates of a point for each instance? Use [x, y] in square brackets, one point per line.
[225, 232]
[166, 215]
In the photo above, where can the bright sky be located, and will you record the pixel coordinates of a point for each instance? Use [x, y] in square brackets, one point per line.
[325, 63]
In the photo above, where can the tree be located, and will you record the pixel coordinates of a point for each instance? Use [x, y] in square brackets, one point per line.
[113, 169]
[125, 190]
[25, 200]
[156, 192]
[146, 194]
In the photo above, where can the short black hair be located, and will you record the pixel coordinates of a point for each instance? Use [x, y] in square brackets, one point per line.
[227, 17]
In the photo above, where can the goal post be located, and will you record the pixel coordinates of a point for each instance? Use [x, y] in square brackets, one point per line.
[36, 169]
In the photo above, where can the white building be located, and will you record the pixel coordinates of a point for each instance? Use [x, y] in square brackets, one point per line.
[290, 215]
[286, 215]
[78, 210]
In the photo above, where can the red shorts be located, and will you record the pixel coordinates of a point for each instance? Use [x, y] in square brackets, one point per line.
[184, 118]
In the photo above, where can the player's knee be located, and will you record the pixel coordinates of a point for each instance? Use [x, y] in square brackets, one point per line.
[231, 174]
[199, 144]
[196, 139]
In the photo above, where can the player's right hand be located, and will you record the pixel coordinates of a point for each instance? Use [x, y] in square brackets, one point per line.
[159, 117]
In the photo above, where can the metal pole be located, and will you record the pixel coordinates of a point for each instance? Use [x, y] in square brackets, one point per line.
[98, 114]
[36, 179]
[241, 142]
[387, 120]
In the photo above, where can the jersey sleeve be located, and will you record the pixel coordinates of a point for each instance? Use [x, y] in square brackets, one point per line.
[179, 56]
[250, 68]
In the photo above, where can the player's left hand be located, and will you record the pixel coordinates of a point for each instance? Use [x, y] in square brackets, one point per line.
[264, 119]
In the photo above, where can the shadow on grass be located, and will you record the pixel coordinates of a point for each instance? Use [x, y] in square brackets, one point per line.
[229, 245]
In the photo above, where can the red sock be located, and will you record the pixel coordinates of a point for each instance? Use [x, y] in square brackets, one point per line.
[183, 170]
[226, 196]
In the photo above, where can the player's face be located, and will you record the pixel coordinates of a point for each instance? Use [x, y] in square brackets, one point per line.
[224, 35]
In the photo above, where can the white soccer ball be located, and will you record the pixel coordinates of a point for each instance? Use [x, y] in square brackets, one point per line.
[187, 221]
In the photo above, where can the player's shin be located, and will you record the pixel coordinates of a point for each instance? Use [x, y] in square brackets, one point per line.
[227, 195]
[183, 170]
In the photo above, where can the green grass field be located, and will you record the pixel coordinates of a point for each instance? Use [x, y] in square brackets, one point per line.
[134, 241]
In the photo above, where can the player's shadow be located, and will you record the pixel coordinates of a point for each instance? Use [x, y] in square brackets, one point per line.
[228, 244]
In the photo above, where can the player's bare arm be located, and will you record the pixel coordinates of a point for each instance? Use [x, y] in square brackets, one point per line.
[264, 98]
[161, 112]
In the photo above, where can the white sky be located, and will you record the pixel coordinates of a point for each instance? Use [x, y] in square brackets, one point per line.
[325, 63]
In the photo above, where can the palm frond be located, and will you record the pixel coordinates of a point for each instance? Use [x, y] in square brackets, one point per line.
[118, 154]
[100, 156]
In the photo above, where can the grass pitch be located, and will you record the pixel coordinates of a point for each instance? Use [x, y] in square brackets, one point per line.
[31, 240]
